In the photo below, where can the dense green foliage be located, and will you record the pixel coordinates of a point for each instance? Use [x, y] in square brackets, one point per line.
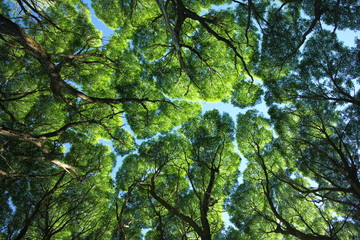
[74, 104]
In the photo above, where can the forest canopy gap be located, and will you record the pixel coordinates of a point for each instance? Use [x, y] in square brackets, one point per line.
[63, 86]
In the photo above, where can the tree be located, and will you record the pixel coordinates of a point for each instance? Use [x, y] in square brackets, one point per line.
[45, 202]
[181, 179]
[64, 89]
[312, 162]
[284, 178]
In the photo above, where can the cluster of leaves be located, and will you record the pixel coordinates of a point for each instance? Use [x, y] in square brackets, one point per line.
[179, 180]
[64, 90]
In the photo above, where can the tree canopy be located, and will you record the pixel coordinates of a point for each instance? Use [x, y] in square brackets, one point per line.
[74, 104]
